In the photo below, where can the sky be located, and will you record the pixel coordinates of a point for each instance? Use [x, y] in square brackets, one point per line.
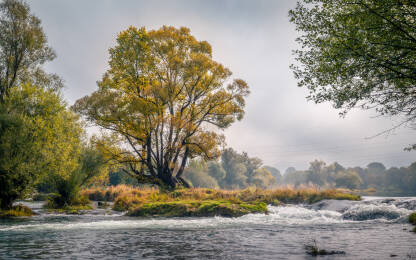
[255, 40]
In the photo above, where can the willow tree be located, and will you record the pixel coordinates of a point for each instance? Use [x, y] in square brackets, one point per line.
[162, 98]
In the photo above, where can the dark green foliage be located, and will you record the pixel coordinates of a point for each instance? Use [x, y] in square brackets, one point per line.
[358, 54]
[412, 218]
[15, 147]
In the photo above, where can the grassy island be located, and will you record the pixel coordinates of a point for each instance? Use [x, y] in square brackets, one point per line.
[17, 211]
[200, 202]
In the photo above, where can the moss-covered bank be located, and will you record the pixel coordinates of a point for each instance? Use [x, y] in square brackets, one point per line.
[17, 211]
[208, 208]
[412, 220]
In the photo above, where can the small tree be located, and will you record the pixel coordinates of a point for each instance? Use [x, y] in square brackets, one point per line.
[91, 163]
[161, 98]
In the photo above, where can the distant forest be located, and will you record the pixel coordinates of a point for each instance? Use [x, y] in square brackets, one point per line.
[235, 171]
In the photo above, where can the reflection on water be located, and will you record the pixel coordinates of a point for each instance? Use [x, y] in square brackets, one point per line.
[372, 229]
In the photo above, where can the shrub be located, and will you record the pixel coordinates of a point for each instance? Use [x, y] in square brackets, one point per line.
[412, 218]
[17, 211]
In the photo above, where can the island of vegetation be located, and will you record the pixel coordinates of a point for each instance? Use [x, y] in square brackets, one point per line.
[204, 202]
[161, 106]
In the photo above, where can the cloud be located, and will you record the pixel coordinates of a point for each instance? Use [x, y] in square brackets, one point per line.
[255, 40]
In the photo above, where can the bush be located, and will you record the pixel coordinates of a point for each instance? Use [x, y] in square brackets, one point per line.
[17, 211]
[412, 218]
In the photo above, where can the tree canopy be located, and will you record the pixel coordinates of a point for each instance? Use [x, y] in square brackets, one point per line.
[162, 98]
[358, 54]
[38, 137]
[23, 48]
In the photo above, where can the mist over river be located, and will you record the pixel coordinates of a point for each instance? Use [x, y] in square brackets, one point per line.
[375, 228]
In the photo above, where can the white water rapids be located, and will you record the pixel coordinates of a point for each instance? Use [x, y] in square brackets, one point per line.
[325, 212]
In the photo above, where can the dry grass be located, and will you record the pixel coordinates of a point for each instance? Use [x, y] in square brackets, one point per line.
[17, 211]
[126, 197]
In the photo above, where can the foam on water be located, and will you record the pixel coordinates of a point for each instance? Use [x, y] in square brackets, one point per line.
[363, 212]
[326, 212]
[287, 215]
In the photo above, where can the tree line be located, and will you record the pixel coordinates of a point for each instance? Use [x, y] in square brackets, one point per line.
[373, 179]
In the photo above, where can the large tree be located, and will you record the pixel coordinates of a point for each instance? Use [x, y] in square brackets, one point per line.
[23, 48]
[358, 54]
[162, 98]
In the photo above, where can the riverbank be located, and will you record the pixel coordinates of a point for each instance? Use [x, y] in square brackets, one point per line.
[200, 202]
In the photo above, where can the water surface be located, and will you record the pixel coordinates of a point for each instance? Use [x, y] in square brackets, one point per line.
[371, 229]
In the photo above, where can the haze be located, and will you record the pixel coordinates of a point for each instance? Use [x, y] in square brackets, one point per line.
[252, 38]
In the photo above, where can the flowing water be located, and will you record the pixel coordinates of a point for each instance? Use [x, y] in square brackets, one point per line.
[375, 228]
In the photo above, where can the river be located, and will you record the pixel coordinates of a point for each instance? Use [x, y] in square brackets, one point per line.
[375, 228]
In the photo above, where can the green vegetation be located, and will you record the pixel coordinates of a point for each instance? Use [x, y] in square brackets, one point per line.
[42, 142]
[375, 179]
[235, 171]
[16, 211]
[161, 91]
[162, 100]
[412, 220]
[358, 54]
[37, 132]
[197, 209]
[91, 164]
[207, 202]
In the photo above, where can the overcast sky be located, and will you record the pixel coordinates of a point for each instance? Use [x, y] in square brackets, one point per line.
[252, 38]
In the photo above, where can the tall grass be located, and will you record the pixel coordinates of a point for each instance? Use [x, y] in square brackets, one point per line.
[126, 196]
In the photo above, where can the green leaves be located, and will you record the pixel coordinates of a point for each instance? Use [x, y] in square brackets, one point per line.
[358, 54]
[23, 49]
[162, 95]
[39, 137]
